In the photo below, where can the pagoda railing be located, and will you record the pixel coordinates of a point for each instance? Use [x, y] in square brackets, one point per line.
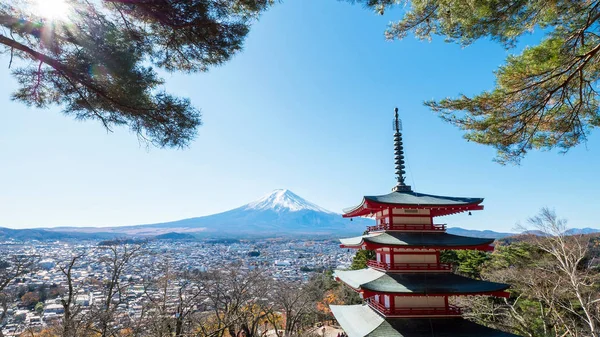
[425, 311]
[409, 266]
[406, 227]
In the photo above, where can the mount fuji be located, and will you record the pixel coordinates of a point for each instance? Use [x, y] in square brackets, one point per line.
[278, 213]
[283, 201]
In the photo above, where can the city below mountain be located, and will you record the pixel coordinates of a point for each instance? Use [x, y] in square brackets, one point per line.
[280, 213]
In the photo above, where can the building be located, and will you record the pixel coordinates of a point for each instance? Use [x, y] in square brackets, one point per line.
[406, 288]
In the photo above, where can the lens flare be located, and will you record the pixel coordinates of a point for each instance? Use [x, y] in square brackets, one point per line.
[51, 9]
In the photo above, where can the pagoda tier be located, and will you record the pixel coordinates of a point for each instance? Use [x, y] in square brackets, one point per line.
[416, 294]
[363, 321]
[407, 202]
[369, 282]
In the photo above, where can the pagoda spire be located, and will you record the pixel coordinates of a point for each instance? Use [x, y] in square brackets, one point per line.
[399, 155]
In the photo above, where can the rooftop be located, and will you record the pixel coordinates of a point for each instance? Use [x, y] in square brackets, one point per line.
[411, 199]
[417, 240]
[362, 321]
[372, 281]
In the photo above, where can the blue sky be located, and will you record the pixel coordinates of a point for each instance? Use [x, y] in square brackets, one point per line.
[306, 106]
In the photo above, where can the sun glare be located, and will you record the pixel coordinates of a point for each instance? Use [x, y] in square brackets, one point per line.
[51, 9]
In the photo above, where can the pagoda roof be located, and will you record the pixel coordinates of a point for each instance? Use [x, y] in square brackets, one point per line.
[409, 199]
[417, 240]
[372, 281]
[362, 321]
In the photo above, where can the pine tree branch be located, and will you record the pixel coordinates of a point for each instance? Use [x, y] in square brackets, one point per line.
[58, 66]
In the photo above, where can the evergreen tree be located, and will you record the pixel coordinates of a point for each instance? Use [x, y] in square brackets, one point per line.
[545, 97]
[97, 62]
[39, 308]
[467, 262]
[360, 259]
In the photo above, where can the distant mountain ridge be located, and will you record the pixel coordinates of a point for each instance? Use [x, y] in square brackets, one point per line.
[279, 213]
[587, 230]
[488, 234]
[175, 236]
[48, 235]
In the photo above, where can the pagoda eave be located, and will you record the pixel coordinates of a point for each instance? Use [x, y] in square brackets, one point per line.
[373, 246]
[369, 207]
[366, 293]
[405, 241]
[364, 321]
[370, 282]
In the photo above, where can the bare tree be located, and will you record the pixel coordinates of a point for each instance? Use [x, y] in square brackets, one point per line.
[293, 302]
[573, 268]
[69, 324]
[533, 288]
[188, 293]
[4, 303]
[15, 266]
[172, 297]
[239, 302]
[119, 254]
[11, 268]
[554, 283]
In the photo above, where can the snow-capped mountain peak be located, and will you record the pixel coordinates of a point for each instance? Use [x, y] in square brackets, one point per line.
[284, 199]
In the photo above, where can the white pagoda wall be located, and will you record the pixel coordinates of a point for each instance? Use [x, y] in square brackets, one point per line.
[412, 220]
[420, 258]
[420, 302]
[411, 217]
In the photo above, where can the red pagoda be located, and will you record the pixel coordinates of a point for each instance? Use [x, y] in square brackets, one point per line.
[406, 288]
